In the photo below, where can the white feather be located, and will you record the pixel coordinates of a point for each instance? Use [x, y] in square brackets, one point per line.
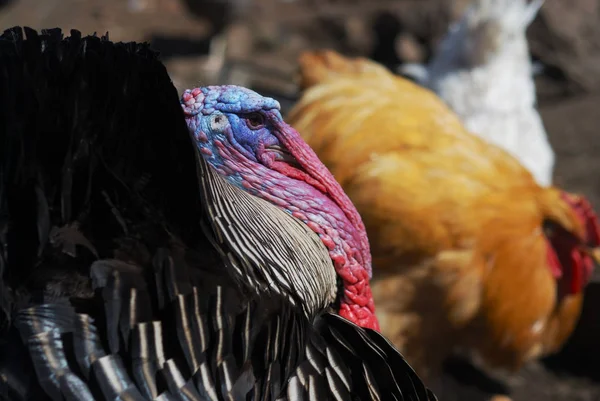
[483, 71]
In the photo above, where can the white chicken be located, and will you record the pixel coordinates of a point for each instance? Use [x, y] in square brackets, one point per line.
[482, 70]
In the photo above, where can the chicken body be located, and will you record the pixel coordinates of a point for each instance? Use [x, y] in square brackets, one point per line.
[455, 224]
[482, 70]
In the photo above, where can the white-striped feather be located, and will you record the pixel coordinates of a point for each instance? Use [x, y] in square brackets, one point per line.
[272, 250]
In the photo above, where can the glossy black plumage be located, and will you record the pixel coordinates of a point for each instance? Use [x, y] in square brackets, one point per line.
[112, 284]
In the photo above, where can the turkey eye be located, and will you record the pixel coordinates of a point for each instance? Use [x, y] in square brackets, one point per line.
[255, 121]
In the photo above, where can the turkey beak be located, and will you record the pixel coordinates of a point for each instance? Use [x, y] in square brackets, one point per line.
[281, 151]
[283, 155]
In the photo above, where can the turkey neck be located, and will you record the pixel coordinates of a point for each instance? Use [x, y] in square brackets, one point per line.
[320, 213]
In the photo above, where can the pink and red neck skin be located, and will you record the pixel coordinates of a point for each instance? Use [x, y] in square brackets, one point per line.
[282, 169]
[571, 259]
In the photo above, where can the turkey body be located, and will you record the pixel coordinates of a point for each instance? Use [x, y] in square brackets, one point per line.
[119, 248]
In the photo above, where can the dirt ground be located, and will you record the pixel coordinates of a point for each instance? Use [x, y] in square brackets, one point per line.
[572, 123]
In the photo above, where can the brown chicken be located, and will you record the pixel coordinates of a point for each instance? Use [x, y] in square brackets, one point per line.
[468, 251]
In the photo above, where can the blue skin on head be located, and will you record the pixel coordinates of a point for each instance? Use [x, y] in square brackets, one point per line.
[234, 115]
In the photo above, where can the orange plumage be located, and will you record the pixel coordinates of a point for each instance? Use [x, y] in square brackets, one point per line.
[467, 249]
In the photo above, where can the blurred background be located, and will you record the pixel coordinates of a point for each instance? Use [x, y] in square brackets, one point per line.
[256, 43]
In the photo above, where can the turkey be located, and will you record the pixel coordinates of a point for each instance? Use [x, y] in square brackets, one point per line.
[156, 249]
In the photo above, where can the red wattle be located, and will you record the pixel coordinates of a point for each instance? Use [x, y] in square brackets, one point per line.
[577, 263]
[359, 315]
[294, 173]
